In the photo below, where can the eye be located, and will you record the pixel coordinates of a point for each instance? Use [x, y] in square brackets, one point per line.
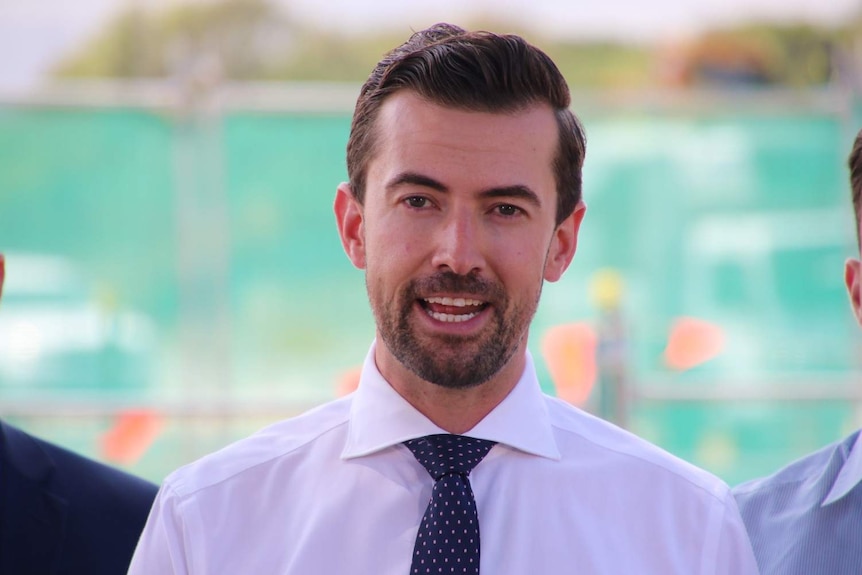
[416, 202]
[509, 210]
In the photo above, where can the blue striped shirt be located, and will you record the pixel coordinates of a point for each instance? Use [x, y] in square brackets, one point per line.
[806, 519]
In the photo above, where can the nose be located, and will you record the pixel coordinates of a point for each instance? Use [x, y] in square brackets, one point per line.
[458, 245]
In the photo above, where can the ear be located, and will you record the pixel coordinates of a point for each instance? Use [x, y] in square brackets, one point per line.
[852, 278]
[563, 244]
[349, 217]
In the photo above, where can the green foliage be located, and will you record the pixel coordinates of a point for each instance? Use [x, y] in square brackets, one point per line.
[602, 65]
[120, 50]
[791, 55]
[249, 38]
[254, 40]
[326, 56]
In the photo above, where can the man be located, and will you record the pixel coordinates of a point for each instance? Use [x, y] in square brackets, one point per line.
[63, 514]
[805, 518]
[464, 197]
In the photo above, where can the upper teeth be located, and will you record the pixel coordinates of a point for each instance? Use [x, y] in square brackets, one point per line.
[454, 301]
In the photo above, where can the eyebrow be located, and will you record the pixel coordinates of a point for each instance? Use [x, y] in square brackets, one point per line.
[414, 179]
[518, 191]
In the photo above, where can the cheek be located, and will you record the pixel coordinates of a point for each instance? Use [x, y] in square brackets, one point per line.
[393, 247]
[392, 261]
[521, 258]
[521, 277]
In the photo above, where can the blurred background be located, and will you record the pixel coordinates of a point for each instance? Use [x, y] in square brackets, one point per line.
[175, 280]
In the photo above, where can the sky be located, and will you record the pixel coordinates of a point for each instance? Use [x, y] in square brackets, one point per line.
[36, 33]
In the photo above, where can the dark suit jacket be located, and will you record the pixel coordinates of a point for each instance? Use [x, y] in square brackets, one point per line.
[64, 514]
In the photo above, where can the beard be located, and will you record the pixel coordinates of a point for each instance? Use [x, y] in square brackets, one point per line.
[451, 361]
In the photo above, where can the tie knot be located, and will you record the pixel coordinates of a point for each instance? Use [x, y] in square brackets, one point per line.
[444, 454]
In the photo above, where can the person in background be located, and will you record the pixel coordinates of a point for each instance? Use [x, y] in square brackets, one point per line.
[464, 198]
[805, 518]
[64, 514]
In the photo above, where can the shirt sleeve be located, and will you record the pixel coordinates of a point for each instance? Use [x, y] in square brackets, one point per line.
[733, 552]
[161, 547]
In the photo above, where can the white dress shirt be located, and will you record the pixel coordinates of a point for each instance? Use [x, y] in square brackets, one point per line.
[334, 492]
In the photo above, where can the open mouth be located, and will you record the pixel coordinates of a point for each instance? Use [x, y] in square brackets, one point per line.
[452, 309]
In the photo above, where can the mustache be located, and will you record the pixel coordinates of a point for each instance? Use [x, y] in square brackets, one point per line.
[456, 283]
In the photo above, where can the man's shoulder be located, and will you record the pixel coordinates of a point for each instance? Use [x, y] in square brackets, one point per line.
[627, 453]
[279, 443]
[55, 495]
[103, 479]
[791, 528]
[89, 486]
[797, 479]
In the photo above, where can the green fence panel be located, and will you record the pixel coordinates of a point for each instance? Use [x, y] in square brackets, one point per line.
[207, 253]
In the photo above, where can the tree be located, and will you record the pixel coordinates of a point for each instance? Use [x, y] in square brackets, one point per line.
[249, 39]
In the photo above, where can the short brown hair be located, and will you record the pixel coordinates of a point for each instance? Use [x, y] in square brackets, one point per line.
[474, 71]
[854, 162]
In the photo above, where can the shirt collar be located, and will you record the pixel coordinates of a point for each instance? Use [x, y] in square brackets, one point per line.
[380, 417]
[850, 474]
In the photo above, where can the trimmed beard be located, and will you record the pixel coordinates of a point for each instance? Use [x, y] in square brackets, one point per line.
[451, 361]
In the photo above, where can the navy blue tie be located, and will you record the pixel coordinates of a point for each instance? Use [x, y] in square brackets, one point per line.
[448, 538]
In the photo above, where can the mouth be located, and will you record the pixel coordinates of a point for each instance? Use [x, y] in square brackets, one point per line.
[448, 309]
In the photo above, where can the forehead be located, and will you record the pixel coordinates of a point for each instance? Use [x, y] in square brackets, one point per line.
[498, 148]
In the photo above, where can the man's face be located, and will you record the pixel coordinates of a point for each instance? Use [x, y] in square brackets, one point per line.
[456, 235]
